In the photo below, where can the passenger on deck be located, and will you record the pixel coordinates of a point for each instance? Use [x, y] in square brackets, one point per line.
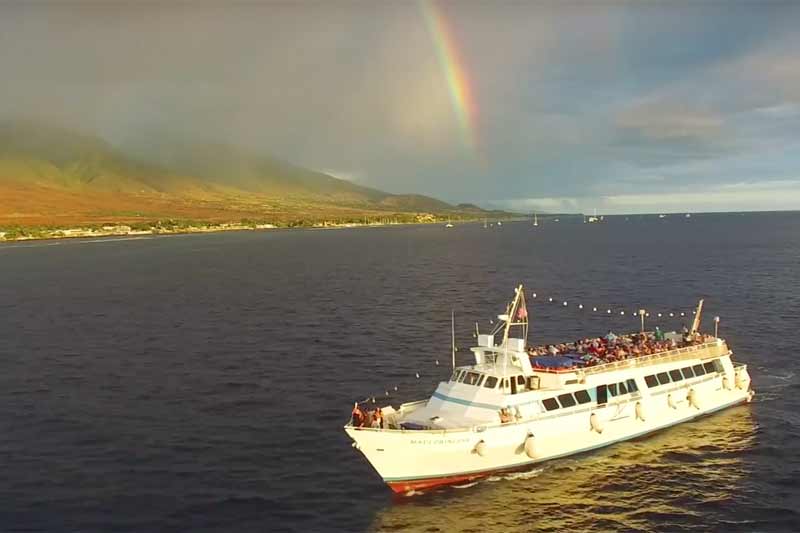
[658, 334]
[505, 416]
[358, 416]
[377, 419]
[687, 337]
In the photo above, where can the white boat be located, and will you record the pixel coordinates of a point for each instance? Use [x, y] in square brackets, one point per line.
[499, 223]
[449, 224]
[688, 215]
[594, 218]
[535, 220]
[510, 410]
[662, 216]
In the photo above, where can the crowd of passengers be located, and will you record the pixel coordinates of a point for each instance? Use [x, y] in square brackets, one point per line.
[370, 418]
[611, 348]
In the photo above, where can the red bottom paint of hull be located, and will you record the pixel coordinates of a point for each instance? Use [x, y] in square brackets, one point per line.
[403, 487]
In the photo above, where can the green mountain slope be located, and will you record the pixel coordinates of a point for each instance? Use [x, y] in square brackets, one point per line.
[51, 175]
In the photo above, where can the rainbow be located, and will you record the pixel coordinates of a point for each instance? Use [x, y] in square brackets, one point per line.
[455, 73]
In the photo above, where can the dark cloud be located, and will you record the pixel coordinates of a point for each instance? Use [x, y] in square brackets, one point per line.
[573, 100]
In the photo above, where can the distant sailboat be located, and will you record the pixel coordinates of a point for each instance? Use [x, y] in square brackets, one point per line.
[594, 218]
[449, 224]
[688, 215]
[484, 224]
[499, 223]
[535, 220]
[662, 216]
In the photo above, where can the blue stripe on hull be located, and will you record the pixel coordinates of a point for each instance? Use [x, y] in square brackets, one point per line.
[582, 450]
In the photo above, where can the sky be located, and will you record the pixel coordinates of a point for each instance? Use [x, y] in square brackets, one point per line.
[532, 106]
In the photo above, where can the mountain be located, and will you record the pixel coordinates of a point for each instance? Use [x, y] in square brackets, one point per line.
[55, 176]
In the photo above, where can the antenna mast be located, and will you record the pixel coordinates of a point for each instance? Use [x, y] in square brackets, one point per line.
[453, 333]
[517, 315]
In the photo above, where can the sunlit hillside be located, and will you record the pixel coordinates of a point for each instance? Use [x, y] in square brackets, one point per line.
[54, 177]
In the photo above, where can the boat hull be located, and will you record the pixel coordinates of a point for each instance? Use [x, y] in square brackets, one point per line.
[411, 485]
[413, 460]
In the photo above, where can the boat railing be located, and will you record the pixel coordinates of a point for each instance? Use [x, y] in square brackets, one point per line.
[713, 349]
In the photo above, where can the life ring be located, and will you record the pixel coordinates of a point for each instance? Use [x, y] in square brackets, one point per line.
[480, 448]
[671, 402]
[595, 424]
[639, 411]
[530, 446]
[691, 397]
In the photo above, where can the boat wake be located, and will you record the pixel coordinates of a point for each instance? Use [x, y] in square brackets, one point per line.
[511, 476]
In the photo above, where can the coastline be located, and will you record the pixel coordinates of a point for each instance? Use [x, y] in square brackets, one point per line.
[123, 230]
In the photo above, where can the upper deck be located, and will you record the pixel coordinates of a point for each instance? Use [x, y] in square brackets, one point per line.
[496, 364]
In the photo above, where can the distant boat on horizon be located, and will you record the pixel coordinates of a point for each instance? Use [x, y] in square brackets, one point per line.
[594, 218]
[662, 216]
[535, 220]
[688, 215]
[449, 224]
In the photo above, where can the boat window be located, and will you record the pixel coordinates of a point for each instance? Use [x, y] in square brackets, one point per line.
[718, 365]
[676, 375]
[651, 381]
[698, 370]
[491, 382]
[612, 389]
[550, 404]
[632, 386]
[461, 376]
[566, 400]
[472, 378]
[513, 385]
[520, 383]
[506, 388]
[455, 375]
[533, 382]
[687, 372]
[480, 381]
[602, 394]
[663, 378]
[709, 367]
[582, 396]
[622, 389]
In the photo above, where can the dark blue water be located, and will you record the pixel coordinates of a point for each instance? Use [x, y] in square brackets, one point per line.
[199, 383]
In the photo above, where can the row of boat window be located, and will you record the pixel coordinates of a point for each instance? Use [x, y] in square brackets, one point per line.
[599, 394]
[513, 384]
[662, 378]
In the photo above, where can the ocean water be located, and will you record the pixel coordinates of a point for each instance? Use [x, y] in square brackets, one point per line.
[201, 382]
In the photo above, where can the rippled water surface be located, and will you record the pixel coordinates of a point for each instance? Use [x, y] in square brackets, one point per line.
[199, 383]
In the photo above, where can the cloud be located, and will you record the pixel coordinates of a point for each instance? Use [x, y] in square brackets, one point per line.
[343, 175]
[755, 196]
[659, 121]
[574, 102]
